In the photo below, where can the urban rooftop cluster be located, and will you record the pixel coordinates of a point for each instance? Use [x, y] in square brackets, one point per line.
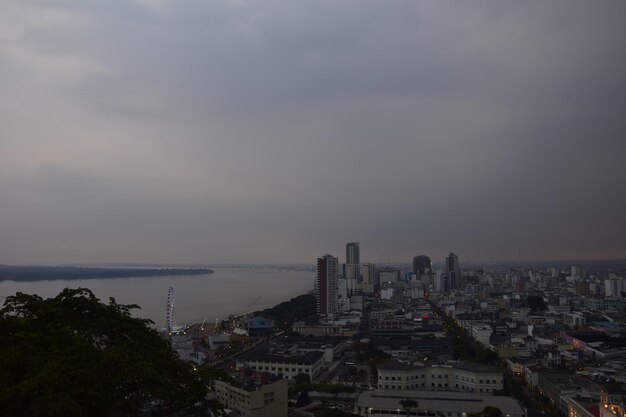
[421, 341]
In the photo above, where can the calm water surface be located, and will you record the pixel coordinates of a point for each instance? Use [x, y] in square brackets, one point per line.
[198, 297]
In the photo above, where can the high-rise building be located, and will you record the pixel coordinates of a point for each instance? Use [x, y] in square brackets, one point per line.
[352, 269]
[613, 287]
[352, 253]
[369, 278]
[352, 274]
[326, 285]
[577, 271]
[452, 272]
[421, 265]
[390, 275]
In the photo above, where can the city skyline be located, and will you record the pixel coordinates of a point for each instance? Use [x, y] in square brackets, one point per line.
[155, 131]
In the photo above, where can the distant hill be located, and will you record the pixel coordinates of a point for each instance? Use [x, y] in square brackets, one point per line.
[44, 273]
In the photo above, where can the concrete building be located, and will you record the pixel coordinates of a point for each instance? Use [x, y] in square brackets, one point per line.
[580, 409]
[421, 265]
[452, 273]
[351, 269]
[368, 275]
[392, 275]
[353, 256]
[613, 401]
[254, 397]
[613, 287]
[482, 333]
[343, 301]
[286, 366]
[454, 377]
[352, 274]
[326, 285]
[577, 271]
[582, 287]
[260, 326]
[574, 319]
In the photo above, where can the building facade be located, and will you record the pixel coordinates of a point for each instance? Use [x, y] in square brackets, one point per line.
[326, 285]
[254, 400]
[461, 377]
[452, 273]
[287, 367]
[421, 265]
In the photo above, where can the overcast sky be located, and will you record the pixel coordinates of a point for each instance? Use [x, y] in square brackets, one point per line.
[194, 131]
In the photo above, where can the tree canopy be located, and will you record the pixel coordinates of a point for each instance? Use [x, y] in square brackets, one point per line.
[73, 355]
[536, 303]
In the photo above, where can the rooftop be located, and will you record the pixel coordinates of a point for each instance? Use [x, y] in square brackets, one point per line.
[308, 358]
[444, 401]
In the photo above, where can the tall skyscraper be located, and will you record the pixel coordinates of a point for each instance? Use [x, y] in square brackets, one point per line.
[326, 285]
[452, 273]
[421, 264]
[352, 253]
[352, 269]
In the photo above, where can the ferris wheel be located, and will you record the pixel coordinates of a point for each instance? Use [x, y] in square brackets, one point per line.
[170, 321]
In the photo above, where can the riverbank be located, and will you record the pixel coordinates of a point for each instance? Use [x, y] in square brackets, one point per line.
[70, 273]
[198, 297]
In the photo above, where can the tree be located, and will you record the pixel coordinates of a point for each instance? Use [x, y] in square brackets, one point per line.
[408, 404]
[72, 355]
[536, 303]
[302, 379]
[303, 399]
[490, 411]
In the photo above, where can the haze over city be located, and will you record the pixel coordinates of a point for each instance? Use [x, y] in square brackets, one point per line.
[273, 132]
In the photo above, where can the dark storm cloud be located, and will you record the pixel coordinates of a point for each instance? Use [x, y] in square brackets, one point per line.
[240, 131]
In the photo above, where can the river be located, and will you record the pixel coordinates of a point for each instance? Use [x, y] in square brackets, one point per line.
[197, 297]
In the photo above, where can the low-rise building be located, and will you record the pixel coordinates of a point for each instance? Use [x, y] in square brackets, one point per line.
[581, 409]
[450, 377]
[286, 366]
[482, 333]
[254, 396]
[260, 326]
[613, 401]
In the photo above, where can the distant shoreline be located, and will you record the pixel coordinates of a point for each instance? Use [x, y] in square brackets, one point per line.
[69, 273]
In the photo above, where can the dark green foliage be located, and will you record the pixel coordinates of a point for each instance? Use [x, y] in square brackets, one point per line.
[464, 347]
[407, 405]
[490, 411]
[333, 388]
[303, 399]
[74, 356]
[302, 379]
[286, 313]
[536, 303]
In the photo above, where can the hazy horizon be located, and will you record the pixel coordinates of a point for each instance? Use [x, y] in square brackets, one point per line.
[555, 262]
[169, 132]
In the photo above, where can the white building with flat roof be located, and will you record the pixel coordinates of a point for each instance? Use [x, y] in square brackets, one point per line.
[286, 366]
[455, 377]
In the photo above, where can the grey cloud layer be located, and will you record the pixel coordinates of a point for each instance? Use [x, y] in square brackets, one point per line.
[234, 131]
